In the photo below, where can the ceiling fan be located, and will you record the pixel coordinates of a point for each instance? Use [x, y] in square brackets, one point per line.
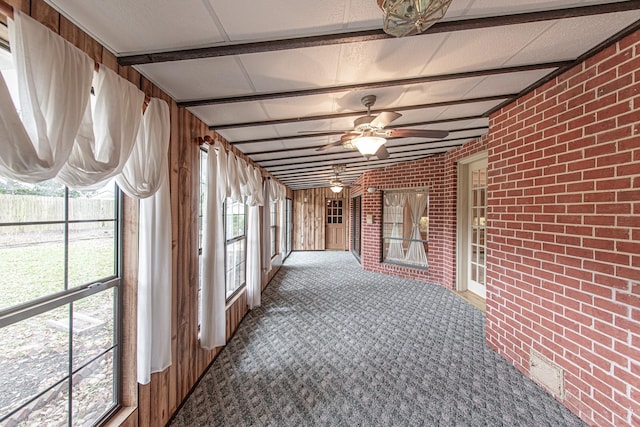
[369, 132]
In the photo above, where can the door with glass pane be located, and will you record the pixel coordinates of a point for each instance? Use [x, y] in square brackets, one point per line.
[477, 227]
[335, 227]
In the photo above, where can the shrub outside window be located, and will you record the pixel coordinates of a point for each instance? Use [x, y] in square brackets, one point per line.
[405, 229]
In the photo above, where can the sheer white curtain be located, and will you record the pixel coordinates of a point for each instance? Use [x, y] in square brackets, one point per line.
[107, 134]
[394, 211]
[213, 297]
[266, 227]
[254, 274]
[416, 254]
[54, 84]
[145, 176]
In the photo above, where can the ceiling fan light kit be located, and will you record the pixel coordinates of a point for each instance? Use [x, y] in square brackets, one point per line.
[409, 17]
[368, 145]
[369, 133]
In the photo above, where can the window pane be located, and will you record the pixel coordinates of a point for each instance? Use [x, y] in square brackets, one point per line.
[98, 204]
[22, 202]
[93, 326]
[91, 252]
[31, 262]
[38, 349]
[93, 390]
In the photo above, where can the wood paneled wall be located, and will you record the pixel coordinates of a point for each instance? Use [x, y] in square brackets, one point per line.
[154, 404]
[309, 217]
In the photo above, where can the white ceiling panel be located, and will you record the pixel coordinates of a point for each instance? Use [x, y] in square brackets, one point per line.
[506, 83]
[571, 38]
[441, 91]
[143, 25]
[292, 69]
[388, 59]
[199, 78]
[483, 8]
[482, 48]
[262, 19]
[248, 133]
[301, 106]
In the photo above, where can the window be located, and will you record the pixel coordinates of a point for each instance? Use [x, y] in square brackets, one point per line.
[405, 228]
[59, 293]
[236, 237]
[288, 226]
[202, 203]
[273, 212]
[356, 225]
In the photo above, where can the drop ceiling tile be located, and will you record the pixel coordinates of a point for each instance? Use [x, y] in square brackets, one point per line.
[262, 19]
[388, 59]
[143, 25]
[438, 91]
[198, 78]
[232, 113]
[296, 107]
[482, 8]
[483, 48]
[506, 83]
[248, 133]
[570, 38]
[292, 69]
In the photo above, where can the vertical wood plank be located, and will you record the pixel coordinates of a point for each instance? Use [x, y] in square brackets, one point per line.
[173, 183]
[109, 60]
[129, 300]
[23, 5]
[80, 39]
[46, 15]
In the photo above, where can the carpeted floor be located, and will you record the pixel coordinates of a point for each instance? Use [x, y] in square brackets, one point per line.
[334, 345]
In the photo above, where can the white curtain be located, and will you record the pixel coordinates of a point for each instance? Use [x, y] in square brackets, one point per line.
[254, 272]
[282, 220]
[54, 84]
[107, 134]
[394, 212]
[146, 167]
[416, 254]
[213, 298]
[232, 176]
[145, 176]
[154, 284]
[266, 227]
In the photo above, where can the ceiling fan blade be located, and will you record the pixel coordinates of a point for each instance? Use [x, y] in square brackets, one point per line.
[310, 132]
[333, 144]
[349, 135]
[382, 153]
[384, 118]
[420, 133]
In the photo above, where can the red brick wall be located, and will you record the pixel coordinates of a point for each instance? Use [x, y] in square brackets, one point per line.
[564, 232]
[439, 174]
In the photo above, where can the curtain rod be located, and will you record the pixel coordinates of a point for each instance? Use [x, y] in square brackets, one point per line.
[7, 10]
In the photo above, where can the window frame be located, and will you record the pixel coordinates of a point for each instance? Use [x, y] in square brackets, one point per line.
[383, 237]
[47, 303]
[273, 229]
[231, 241]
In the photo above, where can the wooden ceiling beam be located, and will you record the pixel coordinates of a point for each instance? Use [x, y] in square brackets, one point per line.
[373, 85]
[375, 34]
[502, 97]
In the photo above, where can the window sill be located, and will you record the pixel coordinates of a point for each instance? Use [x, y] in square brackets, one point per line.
[121, 416]
[399, 264]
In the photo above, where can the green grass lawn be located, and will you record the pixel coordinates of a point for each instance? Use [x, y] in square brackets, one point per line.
[32, 271]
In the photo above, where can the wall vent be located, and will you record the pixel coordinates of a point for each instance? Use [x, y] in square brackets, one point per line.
[547, 374]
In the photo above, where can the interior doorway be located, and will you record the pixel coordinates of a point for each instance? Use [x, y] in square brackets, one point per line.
[335, 230]
[472, 225]
[356, 225]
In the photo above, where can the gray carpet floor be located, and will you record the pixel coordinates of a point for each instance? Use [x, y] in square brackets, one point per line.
[333, 345]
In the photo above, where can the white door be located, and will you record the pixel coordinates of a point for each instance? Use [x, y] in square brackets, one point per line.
[477, 227]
